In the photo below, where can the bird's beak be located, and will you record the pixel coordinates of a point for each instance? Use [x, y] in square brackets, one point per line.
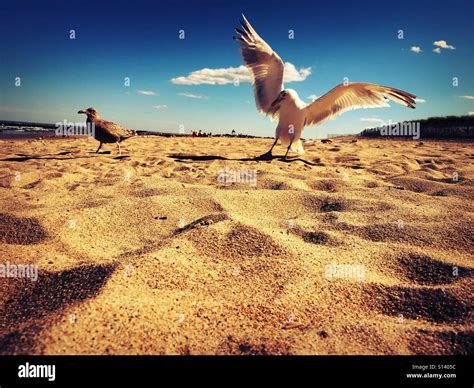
[82, 111]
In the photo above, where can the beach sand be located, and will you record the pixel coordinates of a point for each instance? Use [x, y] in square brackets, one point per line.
[364, 247]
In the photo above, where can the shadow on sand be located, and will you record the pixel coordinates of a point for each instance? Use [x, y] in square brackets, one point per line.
[24, 157]
[206, 158]
[29, 307]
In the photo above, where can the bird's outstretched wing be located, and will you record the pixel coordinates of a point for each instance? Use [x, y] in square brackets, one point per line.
[265, 65]
[354, 95]
[115, 130]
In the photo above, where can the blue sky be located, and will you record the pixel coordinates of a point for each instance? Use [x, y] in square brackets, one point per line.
[140, 40]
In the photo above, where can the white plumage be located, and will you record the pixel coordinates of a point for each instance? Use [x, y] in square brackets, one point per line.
[283, 104]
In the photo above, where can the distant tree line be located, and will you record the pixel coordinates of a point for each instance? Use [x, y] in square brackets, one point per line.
[449, 127]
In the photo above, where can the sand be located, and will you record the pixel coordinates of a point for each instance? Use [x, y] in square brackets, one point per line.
[363, 247]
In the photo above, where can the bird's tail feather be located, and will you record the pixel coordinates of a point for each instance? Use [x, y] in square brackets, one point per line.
[129, 133]
[285, 140]
[297, 146]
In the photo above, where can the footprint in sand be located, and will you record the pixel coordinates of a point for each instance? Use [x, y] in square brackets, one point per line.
[276, 185]
[330, 186]
[145, 193]
[443, 193]
[347, 159]
[31, 185]
[313, 237]
[329, 205]
[325, 205]
[316, 237]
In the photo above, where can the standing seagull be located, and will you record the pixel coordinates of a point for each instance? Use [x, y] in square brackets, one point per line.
[106, 131]
[284, 104]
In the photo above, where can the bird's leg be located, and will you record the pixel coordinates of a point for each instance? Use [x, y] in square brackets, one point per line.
[288, 150]
[119, 150]
[268, 155]
[100, 146]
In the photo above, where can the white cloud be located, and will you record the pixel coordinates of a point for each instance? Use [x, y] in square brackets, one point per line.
[467, 97]
[372, 120]
[190, 95]
[163, 106]
[415, 49]
[312, 97]
[229, 75]
[443, 44]
[146, 92]
[471, 113]
[292, 74]
[437, 50]
[420, 100]
[214, 76]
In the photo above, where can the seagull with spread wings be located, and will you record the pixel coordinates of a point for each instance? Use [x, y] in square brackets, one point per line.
[271, 98]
